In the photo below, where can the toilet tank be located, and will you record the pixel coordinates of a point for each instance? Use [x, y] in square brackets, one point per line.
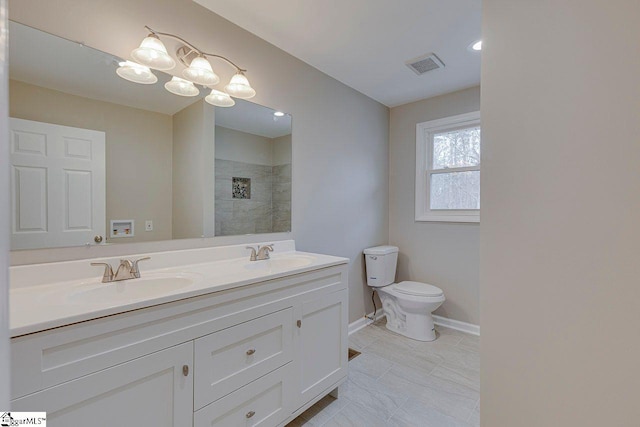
[381, 264]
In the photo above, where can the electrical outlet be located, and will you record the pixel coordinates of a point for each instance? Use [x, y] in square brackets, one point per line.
[148, 226]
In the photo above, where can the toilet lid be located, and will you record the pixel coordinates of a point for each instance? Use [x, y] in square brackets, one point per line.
[419, 289]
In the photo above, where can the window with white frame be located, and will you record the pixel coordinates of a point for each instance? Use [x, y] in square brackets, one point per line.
[448, 169]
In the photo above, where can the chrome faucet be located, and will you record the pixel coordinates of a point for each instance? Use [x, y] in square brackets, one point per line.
[126, 270]
[263, 252]
[252, 257]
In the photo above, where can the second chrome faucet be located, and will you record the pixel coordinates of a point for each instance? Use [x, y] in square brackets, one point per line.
[261, 254]
[126, 270]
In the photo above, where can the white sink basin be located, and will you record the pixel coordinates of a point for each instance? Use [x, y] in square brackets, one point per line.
[274, 264]
[134, 289]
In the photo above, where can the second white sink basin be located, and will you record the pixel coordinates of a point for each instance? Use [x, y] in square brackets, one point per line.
[134, 289]
[274, 264]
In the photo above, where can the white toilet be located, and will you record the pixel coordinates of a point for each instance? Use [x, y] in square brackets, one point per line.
[407, 305]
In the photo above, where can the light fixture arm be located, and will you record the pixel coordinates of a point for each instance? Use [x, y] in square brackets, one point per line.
[191, 46]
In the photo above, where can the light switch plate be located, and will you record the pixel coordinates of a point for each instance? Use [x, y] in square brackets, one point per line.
[148, 226]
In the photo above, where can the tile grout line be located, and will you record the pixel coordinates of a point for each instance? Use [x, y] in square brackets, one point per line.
[339, 410]
[473, 410]
[398, 409]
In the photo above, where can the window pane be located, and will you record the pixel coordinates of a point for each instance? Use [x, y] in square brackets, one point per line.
[457, 190]
[455, 149]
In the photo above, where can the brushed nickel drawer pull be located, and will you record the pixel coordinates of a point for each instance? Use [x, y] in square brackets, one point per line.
[251, 351]
[185, 370]
[250, 414]
[299, 323]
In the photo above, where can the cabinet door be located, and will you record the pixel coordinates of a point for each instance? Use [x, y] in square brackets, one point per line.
[149, 391]
[323, 344]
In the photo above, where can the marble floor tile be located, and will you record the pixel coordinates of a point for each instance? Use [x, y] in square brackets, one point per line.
[403, 354]
[474, 419]
[366, 392]
[468, 378]
[451, 355]
[359, 341]
[447, 397]
[414, 414]
[370, 364]
[355, 415]
[470, 342]
[448, 338]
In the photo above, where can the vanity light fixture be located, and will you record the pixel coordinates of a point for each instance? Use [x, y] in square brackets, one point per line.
[181, 87]
[239, 86]
[219, 99]
[200, 71]
[152, 53]
[136, 73]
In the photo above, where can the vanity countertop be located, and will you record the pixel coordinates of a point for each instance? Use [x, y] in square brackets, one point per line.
[41, 306]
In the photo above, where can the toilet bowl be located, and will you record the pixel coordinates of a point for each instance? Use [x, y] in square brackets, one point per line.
[407, 305]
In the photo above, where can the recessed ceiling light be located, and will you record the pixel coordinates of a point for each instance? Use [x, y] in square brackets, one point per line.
[278, 114]
[476, 46]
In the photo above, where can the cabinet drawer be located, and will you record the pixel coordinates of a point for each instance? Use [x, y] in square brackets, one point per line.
[229, 359]
[263, 403]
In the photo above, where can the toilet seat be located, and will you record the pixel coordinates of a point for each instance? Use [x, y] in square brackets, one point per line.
[418, 289]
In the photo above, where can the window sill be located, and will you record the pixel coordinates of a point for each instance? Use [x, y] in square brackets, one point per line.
[473, 219]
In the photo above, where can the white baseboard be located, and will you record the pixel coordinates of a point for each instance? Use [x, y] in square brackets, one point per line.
[364, 321]
[469, 328]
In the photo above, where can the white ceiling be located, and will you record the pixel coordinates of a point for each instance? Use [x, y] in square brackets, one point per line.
[365, 43]
[252, 118]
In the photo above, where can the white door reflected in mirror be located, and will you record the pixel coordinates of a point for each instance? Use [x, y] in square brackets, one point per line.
[57, 185]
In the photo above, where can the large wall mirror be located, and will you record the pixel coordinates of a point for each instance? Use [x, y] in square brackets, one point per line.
[96, 159]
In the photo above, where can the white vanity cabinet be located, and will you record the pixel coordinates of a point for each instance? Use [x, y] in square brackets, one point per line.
[257, 354]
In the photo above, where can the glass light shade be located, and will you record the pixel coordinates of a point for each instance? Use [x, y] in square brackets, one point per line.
[239, 87]
[181, 87]
[200, 72]
[136, 73]
[153, 54]
[219, 99]
[477, 45]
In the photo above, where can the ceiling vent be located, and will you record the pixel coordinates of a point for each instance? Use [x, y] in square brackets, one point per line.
[425, 63]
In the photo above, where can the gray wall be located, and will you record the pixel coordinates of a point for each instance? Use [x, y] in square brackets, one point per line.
[188, 171]
[443, 254]
[560, 234]
[340, 137]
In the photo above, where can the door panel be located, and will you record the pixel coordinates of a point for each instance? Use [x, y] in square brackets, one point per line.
[57, 185]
